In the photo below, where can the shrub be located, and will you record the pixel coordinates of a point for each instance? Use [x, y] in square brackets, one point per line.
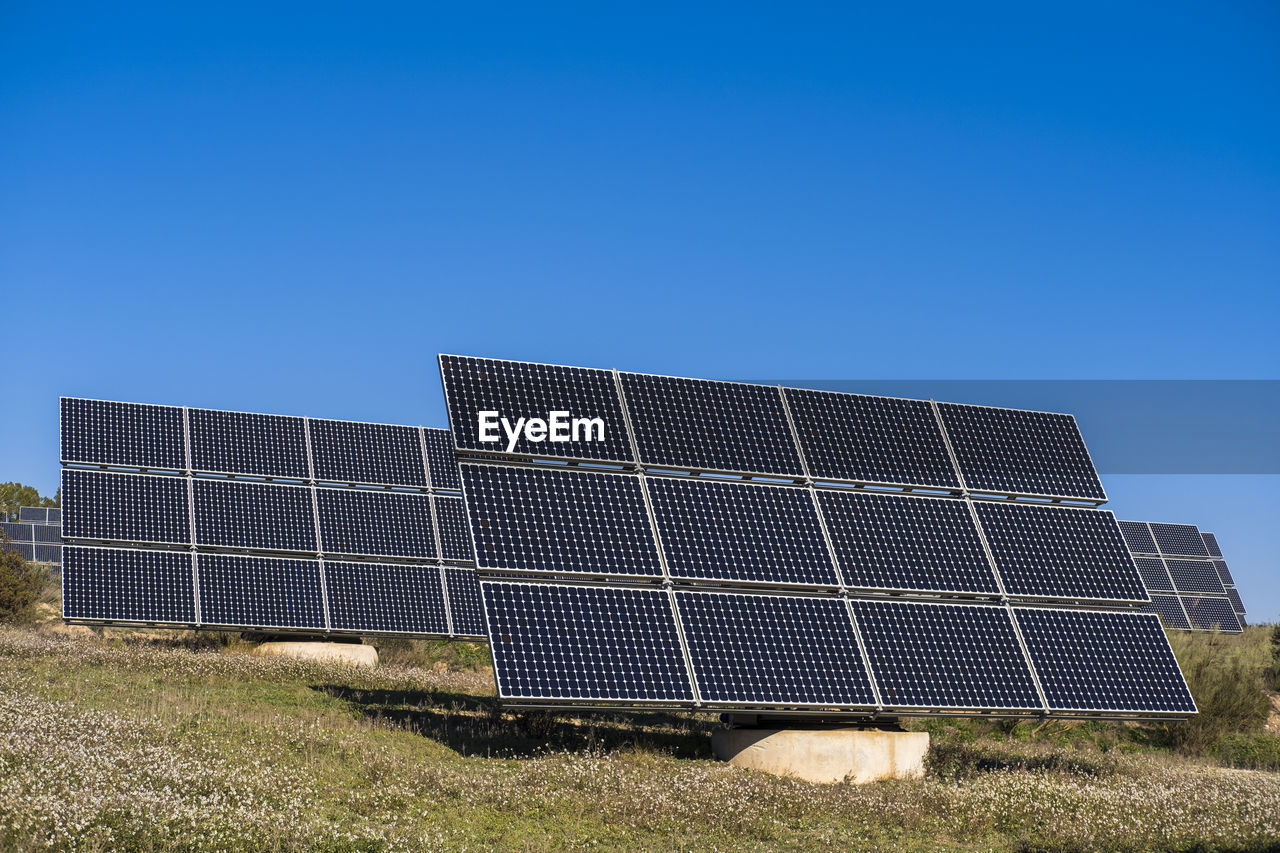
[1251, 752]
[21, 585]
[1225, 682]
[1273, 671]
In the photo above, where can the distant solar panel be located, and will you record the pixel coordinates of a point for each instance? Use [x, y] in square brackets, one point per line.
[442, 464]
[1154, 575]
[1194, 576]
[774, 650]
[945, 656]
[464, 601]
[892, 542]
[1211, 544]
[378, 454]
[120, 585]
[1169, 609]
[17, 531]
[37, 514]
[26, 549]
[577, 643]
[698, 424]
[455, 533]
[1016, 452]
[1224, 573]
[55, 515]
[243, 443]
[259, 592]
[376, 523]
[559, 521]
[1137, 535]
[1060, 552]
[132, 435]
[47, 533]
[262, 516]
[740, 531]
[1237, 603]
[860, 439]
[1179, 539]
[1211, 613]
[110, 506]
[515, 390]
[387, 598]
[1096, 661]
[48, 553]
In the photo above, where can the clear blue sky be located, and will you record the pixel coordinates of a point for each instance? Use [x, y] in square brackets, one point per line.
[294, 209]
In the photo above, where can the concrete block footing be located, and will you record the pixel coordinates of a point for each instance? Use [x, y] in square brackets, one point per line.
[352, 653]
[825, 755]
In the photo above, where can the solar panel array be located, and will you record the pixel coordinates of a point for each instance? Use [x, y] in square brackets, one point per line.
[208, 518]
[36, 535]
[755, 547]
[1191, 587]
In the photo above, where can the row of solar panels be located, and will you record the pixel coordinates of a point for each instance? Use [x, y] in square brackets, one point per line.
[1191, 592]
[35, 552]
[175, 438]
[37, 536]
[21, 531]
[40, 514]
[703, 426]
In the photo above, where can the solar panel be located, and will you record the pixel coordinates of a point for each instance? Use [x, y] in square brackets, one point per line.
[559, 521]
[1224, 573]
[1179, 539]
[1017, 452]
[515, 390]
[860, 439]
[385, 598]
[1060, 552]
[1169, 609]
[1237, 603]
[119, 585]
[464, 601]
[17, 531]
[1211, 544]
[442, 465]
[1194, 576]
[37, 514]
[945, 656]
[774, 650]
[144, 508]
[244, 443]
[378, 454]
[26, 549]
[48, 553]
[127, 434]
[701, 425]
[893, 542]
[1138, 537]
[1211, 613]
[740, 531]
[264, 516]
[55, 515]
[455, 533]
[578, 643]
[1104, 661]
[378, 524]
[1154, 575]
[259, 592]
[47, 533]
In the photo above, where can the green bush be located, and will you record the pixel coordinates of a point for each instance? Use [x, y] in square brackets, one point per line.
[21, 585]
[1226, 681]
[1273, 671]
[1251, 752]
[959, 759]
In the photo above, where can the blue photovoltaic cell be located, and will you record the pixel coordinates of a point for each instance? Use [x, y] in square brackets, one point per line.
[559, 521]
[381, 454]
[126, 434]
[47, 533]
[442, 463]
[1237, 603]
[1224, 573]
[1211, 614]
[239, 514]
[945, 656]
[376, 523]
[1211, 544]
[713, 426]
[515, 390]
[17, 531]
[1179, 539]
[117, 585]
[259, 592]
[455, 533]
[554, 642]
[35, 514]
[774, 650]
[55, 515]
[1060, 552]
[125, 507]
[380, 597]
[26, 549]
[1169, 609]
[740, 531]
[898, 542]
[48, 553]
[862, 439]
[1138, 537]
[1018, 452]
[244, 443]
[464, 601]
[1194, 576]
[1092, 661]
[1154, 575]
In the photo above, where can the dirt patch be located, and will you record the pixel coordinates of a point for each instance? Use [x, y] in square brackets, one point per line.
[1273, 719]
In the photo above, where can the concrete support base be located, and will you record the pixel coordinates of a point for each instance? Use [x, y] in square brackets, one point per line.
[352, 653]
[825, 755]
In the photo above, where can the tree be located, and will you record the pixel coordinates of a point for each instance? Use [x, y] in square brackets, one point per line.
[14, 495]
[20, 586]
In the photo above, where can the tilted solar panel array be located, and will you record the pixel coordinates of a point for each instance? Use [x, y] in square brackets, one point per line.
[36, 535]
[1190, 585]
[241, 520]
[754, 547]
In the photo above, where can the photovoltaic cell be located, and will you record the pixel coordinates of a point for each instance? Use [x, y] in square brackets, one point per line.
[555, 642]
[1060, 552]
[35, 514]
[559, 521]
[464, 601]
[1138, 537]
[48, 553]
[240, 514]
[47, 533]
[376, 523]
[862, 439]
[740, 531]
[385, 598]
[125, 507]
[945, 656]
[55, 515]
[1154, 575]
[1211, 544]
[380, 454]
[1169, 609]
[1179, 539]
[1194, 576]
[1012, 451]
[242, 443]
[259, 592]
[1236, 602]
[126, 434]
[519, 390]
[773, 650]
[714, 426]
[17, 531]
[455, 534]
[1224, 573]
[118, 585]
[906, 543]
[442, 464]
[26, 549]
[1211, 614]
[1093, 661]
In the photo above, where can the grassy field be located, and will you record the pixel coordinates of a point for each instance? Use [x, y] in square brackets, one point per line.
[152, 741]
